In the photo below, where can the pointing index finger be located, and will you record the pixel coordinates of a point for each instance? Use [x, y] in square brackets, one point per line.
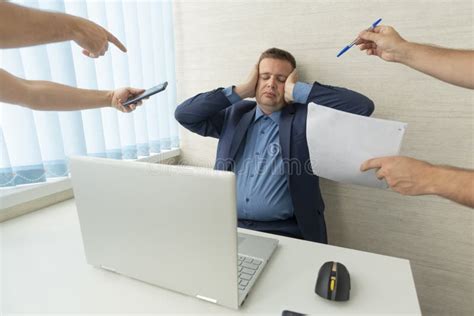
[111, 38]
[371, 164]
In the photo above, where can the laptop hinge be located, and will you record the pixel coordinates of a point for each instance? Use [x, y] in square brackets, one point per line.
[108, 268]
[207, 299]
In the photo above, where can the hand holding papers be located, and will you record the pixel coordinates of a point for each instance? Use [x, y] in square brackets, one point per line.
[339, 142]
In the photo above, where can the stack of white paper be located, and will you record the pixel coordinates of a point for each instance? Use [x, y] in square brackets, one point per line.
[340, 142]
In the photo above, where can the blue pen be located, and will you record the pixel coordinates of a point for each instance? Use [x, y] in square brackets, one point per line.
[345, 49]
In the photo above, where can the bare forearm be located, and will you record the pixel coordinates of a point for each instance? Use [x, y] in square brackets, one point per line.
[454, 184]
[50, 96]
[450, 65]
[22, 26]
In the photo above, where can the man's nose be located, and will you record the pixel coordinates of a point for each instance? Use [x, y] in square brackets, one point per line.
[271, 83]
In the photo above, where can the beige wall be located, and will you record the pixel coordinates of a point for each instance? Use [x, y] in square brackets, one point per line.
[218, 41]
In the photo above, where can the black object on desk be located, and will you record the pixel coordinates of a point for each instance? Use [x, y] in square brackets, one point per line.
[334, 282]
[290, 313]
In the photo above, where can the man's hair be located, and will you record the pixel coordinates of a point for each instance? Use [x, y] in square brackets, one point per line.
[277, 53]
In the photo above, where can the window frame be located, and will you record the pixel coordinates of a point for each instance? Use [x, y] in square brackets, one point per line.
[16, 201]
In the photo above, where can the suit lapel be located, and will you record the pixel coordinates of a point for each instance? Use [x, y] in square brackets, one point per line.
[241, 131]
[286, 121]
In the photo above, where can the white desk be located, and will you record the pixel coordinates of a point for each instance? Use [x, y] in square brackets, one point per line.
[44, 271]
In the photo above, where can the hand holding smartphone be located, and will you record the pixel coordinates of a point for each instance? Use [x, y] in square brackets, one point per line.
[147, 93]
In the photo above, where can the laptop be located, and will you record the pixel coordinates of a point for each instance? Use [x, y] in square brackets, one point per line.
[171, 226]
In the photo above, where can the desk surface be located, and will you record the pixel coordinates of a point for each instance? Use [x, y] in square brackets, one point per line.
[44, 271]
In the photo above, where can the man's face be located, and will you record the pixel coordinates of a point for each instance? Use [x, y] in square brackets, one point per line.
[270, 93]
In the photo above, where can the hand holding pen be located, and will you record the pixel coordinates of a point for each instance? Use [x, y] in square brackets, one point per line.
[354, 42]
[383, 41]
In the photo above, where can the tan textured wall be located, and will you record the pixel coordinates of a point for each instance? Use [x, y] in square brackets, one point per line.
[218, 41]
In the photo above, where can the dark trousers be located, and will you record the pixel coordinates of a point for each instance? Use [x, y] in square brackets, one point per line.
[287, 227]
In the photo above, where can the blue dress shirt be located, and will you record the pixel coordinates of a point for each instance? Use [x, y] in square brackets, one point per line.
[262, 187]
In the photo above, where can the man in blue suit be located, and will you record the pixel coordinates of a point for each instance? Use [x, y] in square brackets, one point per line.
[264, 143]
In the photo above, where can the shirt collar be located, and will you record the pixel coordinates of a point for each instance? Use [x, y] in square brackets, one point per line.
[275, 116]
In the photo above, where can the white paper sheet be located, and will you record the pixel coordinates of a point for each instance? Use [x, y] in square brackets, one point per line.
[339, 142]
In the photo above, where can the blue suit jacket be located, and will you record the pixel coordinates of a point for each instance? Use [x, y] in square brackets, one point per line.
[211, 114]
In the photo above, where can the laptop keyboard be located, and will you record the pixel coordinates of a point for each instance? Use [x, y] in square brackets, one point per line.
[247, 269]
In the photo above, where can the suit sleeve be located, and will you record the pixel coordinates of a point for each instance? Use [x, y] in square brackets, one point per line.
[338, 98]
[204, 114]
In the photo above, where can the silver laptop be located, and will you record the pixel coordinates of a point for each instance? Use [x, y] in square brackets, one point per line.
[171, 226]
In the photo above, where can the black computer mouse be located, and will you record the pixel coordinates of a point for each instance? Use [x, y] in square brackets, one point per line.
[333, 282]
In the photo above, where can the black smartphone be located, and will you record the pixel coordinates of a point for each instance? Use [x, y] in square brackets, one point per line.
[147, 93]
[290, 313]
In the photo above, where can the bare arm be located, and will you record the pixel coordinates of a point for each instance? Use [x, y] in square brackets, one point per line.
[50, 96]
[450, 65]
[454, 184]
[21, 26]
[410, 176]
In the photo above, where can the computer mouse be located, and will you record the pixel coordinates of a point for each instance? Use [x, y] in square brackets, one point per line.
[333, 282]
